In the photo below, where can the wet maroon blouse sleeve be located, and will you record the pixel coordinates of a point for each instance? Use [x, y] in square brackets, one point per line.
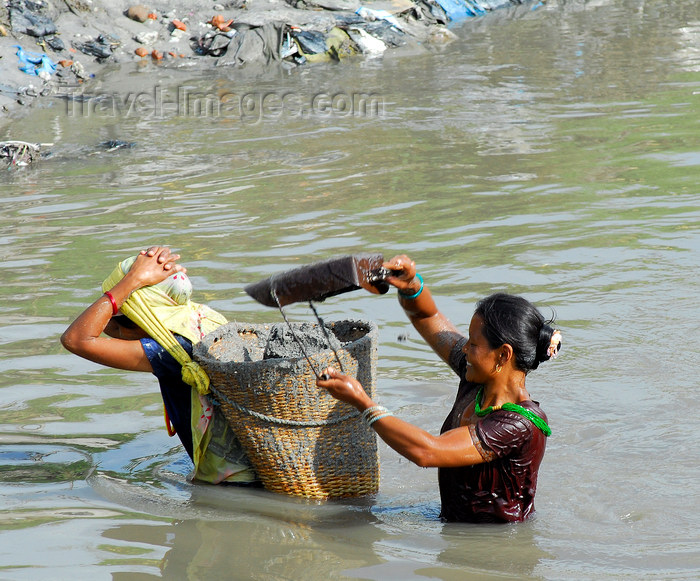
[502, 433]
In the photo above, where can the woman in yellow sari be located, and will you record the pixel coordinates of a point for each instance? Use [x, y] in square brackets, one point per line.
[151, 323]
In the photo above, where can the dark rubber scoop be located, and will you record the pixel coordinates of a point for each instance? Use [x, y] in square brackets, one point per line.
[320, 280]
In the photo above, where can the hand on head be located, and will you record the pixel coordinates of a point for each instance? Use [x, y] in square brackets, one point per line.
[155, 265]
[161, 253]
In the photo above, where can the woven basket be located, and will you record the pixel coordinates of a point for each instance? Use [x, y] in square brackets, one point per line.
[300, 440]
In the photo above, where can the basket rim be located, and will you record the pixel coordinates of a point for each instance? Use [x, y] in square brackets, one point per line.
[201, 353]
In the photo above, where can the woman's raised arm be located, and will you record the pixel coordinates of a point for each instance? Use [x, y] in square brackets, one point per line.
[418, 304]
[84, 336]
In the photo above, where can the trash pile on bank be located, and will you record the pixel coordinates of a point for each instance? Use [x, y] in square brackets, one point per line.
[66, 41]
[20, 153]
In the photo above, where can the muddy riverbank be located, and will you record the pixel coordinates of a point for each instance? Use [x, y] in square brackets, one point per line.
[59, 47]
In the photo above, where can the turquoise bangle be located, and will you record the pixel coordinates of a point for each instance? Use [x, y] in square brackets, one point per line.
[417, 294]
[371, 410]
[379, 417]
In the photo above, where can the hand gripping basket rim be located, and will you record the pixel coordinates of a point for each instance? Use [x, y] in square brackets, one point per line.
[300, 440]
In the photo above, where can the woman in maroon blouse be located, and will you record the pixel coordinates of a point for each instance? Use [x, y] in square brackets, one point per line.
[491, 444]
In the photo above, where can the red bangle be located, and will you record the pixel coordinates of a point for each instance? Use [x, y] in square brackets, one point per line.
[115, 308]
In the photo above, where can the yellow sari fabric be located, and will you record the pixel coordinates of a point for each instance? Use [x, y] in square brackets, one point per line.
[160, 315]
[164, 309]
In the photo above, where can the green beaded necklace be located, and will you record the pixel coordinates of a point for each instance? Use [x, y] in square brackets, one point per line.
[511, 407]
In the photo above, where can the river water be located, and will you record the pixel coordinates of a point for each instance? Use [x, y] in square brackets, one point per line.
[552, 152]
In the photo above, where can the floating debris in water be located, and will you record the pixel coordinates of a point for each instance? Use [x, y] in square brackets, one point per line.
[20, 153]
[112, 145]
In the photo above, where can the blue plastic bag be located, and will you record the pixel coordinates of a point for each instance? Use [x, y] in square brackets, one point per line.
[457, 10]
[34, 63]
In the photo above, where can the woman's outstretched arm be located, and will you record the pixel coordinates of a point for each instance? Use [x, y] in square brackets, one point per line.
[450, 449]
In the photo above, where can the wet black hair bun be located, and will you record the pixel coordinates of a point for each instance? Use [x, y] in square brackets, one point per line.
[549, 343]
[514, 320]
[543, 343]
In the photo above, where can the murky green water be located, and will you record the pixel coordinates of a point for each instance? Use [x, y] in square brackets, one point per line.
[553, 153]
